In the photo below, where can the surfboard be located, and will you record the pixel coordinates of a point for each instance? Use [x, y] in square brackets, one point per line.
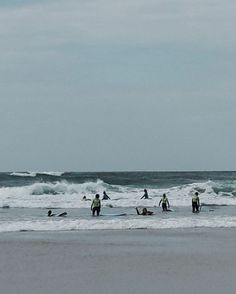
[113, 214]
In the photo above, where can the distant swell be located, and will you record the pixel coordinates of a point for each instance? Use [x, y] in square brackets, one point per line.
[34, 174]
[26, 174]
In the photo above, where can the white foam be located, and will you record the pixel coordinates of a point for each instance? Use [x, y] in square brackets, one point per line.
[51, 173]
[117, 224]
[35, 173]
[68, 195]
[21, 174]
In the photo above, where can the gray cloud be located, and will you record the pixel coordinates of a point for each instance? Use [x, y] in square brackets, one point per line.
[127, 21]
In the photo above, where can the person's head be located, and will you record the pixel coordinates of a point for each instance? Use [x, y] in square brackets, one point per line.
[196, 193]
[144, 210]
[49, 212]
[84, 197]
[97, 196]
[145, 190]
[164, 195]
[104, 192]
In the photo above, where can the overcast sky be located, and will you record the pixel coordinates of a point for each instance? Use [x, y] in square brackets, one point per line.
[105, 85]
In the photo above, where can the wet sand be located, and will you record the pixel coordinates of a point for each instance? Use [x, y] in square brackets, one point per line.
[180, 261]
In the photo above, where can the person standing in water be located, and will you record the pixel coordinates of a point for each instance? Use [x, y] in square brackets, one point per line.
[96, 205]
[145, 196]
[195, 203]
[165, 203]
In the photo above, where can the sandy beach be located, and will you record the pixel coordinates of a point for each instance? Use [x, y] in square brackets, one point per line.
[135, 261]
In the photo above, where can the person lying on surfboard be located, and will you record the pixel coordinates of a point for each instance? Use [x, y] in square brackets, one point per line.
[144, 212]
[53, 214]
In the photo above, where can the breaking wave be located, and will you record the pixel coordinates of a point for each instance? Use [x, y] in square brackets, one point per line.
[65, 194]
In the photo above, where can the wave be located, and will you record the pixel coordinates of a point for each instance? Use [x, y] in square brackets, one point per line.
[34, 174]
[55, 174]
[62, 194]
[23, 174]
[117, 224]
[63, 187]
[58, 194]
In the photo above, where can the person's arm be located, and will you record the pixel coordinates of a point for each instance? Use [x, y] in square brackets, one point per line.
[142, 196]
[92, 206]
[137, 211]
[160, 202]
[198, 202]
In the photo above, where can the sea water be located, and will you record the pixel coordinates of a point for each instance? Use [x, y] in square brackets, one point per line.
[25, 198]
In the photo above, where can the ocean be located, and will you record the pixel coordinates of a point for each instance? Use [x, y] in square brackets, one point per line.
[26, 197]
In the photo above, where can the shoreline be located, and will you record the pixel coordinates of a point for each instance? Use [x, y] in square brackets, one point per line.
[118, 230]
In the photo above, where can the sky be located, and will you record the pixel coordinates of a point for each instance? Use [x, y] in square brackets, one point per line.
[128, 85]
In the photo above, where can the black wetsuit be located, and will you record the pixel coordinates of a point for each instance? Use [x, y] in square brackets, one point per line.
[164, 206]
[195, 203]
[195, 206]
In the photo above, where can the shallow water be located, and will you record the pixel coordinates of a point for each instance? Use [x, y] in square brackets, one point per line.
[28, 196]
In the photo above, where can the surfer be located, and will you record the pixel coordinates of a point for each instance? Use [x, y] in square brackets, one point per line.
[105, 196]
[165, 203]
[145, 196]
[53, 214]
[96, 205]
[195, 203]
[144, 212]
[85, 198]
